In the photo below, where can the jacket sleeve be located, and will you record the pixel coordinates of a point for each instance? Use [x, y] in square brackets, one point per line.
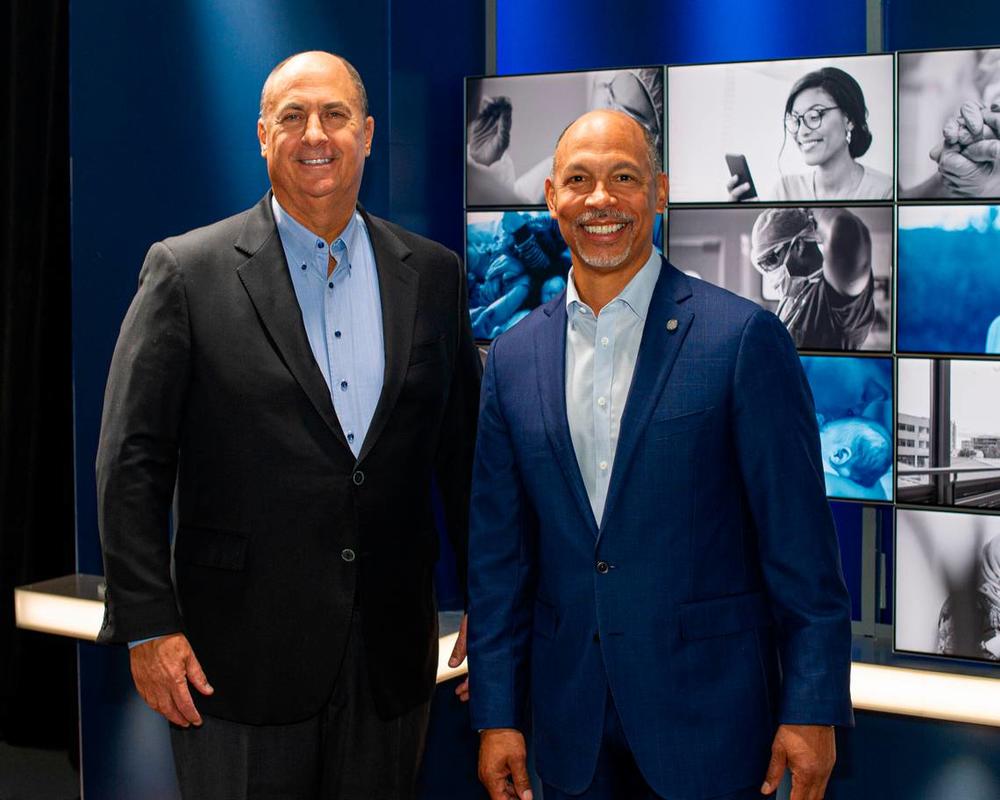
[501, 570]
[777, 441]
[137, 454]
[453, 461]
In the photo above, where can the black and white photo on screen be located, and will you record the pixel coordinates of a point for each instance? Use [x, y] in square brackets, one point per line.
[825, 271]
[796, 130]
[513, 123]
[948, 432]
[949, 124]
[947, 578]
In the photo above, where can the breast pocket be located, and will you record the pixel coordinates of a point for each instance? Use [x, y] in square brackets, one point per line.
[663, 425]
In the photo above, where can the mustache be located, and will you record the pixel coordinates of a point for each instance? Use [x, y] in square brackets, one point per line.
[603, 215]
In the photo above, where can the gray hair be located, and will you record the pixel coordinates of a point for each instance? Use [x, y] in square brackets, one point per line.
[355, 76]
[652, 149]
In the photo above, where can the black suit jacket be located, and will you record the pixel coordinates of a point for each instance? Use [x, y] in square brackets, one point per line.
[213, 388]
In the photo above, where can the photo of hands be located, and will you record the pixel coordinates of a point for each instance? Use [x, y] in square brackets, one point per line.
[949, 124]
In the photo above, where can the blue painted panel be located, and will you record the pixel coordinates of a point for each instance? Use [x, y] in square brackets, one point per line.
[910, 25]
[546, 37]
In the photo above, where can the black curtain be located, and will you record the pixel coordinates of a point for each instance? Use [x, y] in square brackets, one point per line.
[37, 539]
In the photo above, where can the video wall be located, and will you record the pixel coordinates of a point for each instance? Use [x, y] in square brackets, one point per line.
[856, 197]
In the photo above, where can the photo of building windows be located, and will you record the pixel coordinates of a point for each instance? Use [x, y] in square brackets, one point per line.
[948, 433]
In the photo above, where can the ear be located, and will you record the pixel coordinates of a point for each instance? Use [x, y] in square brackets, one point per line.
[661, 192]
[369, 133]
[840, 456]
[262, 137]
[550, 195]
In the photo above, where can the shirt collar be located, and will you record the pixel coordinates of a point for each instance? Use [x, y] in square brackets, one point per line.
[636, 295]
[306, 246]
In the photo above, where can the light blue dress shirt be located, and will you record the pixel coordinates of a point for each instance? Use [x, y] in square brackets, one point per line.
[342, 315]
[600, 358]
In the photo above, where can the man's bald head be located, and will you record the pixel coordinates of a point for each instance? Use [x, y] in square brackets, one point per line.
[309, 59]
[606, 119]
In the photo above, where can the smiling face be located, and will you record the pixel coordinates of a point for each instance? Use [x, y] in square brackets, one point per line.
[603, 192]
[830, 138]
[314, 137]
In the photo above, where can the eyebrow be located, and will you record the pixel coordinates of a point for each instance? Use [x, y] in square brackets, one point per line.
[580, 166]
[294, 105]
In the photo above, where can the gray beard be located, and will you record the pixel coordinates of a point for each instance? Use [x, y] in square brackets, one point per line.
[609, 261]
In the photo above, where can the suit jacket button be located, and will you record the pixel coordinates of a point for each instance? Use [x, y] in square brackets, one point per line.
[347, 554]
[358, 477]
[603, 567]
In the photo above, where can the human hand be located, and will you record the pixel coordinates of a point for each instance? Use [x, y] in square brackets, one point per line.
[458, 656]
[809, 751]
[162, 669]
[489, 131]
[736, 190]
[503, 759]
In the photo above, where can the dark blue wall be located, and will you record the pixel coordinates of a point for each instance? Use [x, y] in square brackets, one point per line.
[914, 24]
[546, 37]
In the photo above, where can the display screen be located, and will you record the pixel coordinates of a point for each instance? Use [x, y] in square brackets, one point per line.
[826, 272]
[948, 433]
[799, 131]
[948, 584]
[513, 123]
[949, 279]
[949, 123]
[853, 398]
[515, 261]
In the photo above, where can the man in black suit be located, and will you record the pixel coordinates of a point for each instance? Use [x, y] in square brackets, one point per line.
[299, 373]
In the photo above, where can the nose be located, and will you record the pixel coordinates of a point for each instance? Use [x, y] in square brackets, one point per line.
[314, 134]
[600, 197]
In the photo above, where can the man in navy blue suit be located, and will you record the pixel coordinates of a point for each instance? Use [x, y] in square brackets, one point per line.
[652, 557]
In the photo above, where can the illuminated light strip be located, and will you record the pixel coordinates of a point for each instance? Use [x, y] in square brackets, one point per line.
[68, 607]
[921, 693]
[58, 613]
[57, 607]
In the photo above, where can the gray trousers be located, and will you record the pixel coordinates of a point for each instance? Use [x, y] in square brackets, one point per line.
[346, 752]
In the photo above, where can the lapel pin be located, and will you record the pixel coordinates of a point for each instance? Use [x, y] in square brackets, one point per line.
[671, 325]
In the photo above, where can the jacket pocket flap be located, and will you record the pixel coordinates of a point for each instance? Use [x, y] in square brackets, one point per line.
[662, 424]
[724, 615]
[208, 547]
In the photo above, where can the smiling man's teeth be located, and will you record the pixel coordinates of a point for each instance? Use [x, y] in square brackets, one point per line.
[312, 161]
[602, 229]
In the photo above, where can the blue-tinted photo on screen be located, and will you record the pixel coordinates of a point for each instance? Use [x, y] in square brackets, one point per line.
[853, 398]
[515, 261]
[949, 279]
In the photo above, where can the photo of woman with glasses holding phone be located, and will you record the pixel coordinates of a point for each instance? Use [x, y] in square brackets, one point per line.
[827, 120]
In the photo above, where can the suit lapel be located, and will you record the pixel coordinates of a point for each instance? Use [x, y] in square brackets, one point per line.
[265, 278]
[550, 366]
[399, 289]
[658, 351]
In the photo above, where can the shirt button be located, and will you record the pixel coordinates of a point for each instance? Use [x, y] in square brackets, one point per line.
[330, 284]
[358, 477]
[603, 465]
[320, 245]
[603, 567]
[347, 554]
[343, 385]
[336, 334]
[350, 436]
[604, 341]
[602, 401]
[304, 266]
